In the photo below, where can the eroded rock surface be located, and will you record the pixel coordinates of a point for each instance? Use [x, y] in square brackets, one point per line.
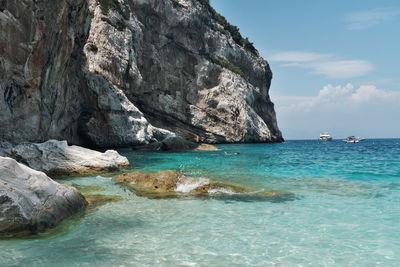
[58, 158]
[31, 201]
[167, 184]
[41, 82]
[129, 72]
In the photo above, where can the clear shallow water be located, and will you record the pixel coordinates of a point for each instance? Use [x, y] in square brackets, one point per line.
[346, 212]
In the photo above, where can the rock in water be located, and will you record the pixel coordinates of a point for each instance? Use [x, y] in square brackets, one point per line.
[166, 184]
[58, 158]
[129, 72]
[31, 201]
[172, 143]
[163, 183]
[177, 143]
[207, 147]
[95, 197]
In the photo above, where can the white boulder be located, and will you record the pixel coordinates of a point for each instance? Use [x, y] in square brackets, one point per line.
[58, 158]
[31, 201]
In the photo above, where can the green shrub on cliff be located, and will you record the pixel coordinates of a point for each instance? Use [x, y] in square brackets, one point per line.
[223, 62]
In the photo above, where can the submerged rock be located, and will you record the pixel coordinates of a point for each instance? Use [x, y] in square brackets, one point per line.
[58, 158]
[207, 147]
[87, 189]
[31, 201]
[97, 200]
[94, 197]
[167, 184]
[163, 183]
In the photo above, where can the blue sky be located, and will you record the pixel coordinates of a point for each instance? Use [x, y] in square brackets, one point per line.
[336, 64]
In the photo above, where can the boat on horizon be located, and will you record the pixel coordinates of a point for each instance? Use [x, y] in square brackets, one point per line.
[325, 137]
[353, 139]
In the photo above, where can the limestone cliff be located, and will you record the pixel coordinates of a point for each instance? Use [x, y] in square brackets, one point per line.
[123, 72]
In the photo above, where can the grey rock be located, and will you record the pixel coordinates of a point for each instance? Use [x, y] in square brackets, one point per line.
[31, 201]
[128, 72]
[5, 148]
[58, 158]
[115, 121]
[172, 143]
[40, 78]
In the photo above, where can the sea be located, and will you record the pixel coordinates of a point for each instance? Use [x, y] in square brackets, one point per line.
[345, 212]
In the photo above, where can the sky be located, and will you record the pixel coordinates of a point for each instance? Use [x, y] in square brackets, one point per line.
[335, 64]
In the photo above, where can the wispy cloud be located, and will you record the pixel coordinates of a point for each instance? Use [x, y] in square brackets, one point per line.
[366, 19]
[342, 69]
[328, 65]
[298, 56]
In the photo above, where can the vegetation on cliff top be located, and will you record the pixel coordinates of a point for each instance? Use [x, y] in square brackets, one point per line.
[233, 30]
[227, 28]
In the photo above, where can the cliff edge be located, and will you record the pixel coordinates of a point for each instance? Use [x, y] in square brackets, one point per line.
[125, 72]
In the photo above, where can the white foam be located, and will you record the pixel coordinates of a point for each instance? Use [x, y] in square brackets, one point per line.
[102, 177]
[188, 184]
[221, 191]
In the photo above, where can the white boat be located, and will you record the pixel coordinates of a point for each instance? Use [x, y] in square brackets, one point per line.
[325, 137]
[353, 139]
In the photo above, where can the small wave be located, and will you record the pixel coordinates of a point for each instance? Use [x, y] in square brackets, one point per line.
[220, 191]
[231, 154]
[188, 184]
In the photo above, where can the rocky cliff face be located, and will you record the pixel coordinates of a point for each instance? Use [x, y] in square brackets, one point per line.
[123, 72]
[40, 61]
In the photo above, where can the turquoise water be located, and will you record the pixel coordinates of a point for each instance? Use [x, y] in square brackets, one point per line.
[346, 212]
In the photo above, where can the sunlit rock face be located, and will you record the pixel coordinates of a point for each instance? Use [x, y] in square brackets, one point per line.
[116, 73]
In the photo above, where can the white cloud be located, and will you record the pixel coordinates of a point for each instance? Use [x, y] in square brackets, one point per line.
[369, 18]
[367, 93]
[298, 56]
[341, 96]
[342, 110]
[330, 92]
[323, 64]
[342, 69]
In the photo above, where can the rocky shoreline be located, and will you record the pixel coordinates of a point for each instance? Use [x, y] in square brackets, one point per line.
[158, 75]
[31, 202]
